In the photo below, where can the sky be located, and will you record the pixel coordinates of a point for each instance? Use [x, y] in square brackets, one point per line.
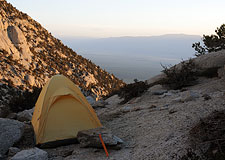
[115, 18]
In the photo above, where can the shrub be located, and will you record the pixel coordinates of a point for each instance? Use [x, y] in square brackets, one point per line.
[208, 136]
[190, 155]
[130, 91]
[179, 78]
[199, 49]
[212, 43]
[210, 72]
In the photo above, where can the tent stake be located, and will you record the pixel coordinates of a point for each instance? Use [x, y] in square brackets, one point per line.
[103, 144]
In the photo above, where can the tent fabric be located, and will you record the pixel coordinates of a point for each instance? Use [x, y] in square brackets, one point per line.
[61, 111]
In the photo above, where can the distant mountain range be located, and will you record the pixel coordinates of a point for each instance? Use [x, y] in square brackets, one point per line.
[134, 57]
[165, 46]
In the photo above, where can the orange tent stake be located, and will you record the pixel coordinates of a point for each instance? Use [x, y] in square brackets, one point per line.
[103, 144]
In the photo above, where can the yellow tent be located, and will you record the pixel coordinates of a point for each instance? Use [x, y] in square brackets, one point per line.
[61, 111]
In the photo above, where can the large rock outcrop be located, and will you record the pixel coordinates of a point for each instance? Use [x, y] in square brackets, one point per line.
[206, 65]
[210, 60]
[18, 39]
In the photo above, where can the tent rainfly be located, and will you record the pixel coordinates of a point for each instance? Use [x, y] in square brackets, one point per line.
[61, 111]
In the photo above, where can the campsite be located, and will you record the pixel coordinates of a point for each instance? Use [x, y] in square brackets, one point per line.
[164, 121]
[56, 104]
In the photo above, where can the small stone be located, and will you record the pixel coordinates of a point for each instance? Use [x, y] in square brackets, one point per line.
[157, 90]
[171, 111]
[25, 115]
[165, 94]
[166, 106]
[119, 140]
[90, 100]
[189, 96]
[152, 106]
[99, 104]
[77, 151]
[126, 109]
[33, 153]
[176, 100]
[90, 138]
[66, 152]
[206, 97]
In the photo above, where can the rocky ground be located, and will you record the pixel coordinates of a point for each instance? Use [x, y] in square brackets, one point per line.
[157, 126]
[154, 126]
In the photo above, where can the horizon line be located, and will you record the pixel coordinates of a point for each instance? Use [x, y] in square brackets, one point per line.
[128, 36]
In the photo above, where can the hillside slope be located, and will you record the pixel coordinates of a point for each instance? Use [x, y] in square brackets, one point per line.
[30, 55]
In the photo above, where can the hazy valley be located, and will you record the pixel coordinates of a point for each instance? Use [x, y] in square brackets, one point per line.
[134, 57]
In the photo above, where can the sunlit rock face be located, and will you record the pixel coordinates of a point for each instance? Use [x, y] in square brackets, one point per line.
[30, 55]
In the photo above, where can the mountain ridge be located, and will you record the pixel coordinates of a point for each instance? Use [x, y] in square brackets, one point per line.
[128, 36]
[30, 55]
[139, 45]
